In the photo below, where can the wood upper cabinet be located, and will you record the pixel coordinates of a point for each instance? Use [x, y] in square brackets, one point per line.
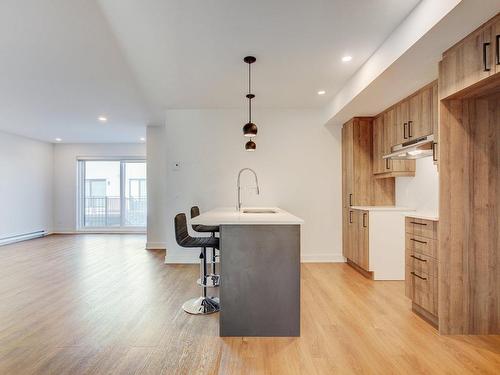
[471, 60]
[384, 137]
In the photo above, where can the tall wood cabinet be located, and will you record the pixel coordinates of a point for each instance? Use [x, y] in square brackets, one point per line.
[469, 185]
[359, 186]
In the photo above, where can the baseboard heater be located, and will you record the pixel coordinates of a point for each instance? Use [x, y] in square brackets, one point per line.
[22, 237]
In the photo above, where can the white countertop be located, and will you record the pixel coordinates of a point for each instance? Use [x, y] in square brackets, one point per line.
[382, 208]
[425, 216]
[229, 215]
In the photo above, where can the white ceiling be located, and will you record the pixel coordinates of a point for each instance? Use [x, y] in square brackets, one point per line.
[60, 68]
[188, 53]
[64, 63]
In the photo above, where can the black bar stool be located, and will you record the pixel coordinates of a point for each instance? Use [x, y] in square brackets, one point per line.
[201, 305]
[214, 278]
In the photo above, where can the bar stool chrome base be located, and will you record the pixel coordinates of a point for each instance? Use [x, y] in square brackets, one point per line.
[212, 281]
[201, 305]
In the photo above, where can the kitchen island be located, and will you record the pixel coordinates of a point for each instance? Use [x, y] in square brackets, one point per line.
[259, 269]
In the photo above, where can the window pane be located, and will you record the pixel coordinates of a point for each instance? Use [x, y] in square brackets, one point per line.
[135, 194]
[102, 194]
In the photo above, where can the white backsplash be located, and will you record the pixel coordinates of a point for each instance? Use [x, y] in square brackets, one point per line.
[422, 191]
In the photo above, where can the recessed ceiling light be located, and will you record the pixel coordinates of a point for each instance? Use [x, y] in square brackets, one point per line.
[58, 139]
[321, 92]
[346, 58]
[102, 118]
[143, 139]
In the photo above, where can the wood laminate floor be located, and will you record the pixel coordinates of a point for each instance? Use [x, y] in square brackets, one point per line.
[101, 304]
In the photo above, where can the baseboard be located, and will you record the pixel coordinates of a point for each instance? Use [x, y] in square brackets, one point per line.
[185, 257]
[322, 258]
[23, 237]
[156, 245]
[98, 232]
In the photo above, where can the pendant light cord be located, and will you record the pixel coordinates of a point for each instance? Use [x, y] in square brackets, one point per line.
[249, 91]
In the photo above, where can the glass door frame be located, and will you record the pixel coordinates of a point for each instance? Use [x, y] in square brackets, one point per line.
[80, 195]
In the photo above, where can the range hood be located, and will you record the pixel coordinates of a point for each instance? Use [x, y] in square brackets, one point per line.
[416, 148]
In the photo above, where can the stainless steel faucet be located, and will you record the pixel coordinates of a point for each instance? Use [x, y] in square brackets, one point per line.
[239, 186]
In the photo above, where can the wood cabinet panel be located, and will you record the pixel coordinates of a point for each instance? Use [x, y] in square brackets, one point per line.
[402, 115]
[421, 264]
[421, 245]
[496, 43]
[379, 165]
[363, 237]
[470, 61]
[421, 227]
[469, 243]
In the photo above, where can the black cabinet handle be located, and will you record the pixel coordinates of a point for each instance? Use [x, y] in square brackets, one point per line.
[387, 164]
[350, 217]
[404, 130]
[414, 240]
[364, 220]
[420, 277]
[498, 49]
[434, 154]
[414, 222]
[485, 58]
[409, 129]
[417, 258]
[350, 199]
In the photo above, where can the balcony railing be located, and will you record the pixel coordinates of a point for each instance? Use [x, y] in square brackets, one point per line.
[106, 212]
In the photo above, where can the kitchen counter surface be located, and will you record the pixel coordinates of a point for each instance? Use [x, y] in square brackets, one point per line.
[229, 215]
[425, 216]
[382, 208]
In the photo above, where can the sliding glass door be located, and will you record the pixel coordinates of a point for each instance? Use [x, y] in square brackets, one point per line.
[112, 194]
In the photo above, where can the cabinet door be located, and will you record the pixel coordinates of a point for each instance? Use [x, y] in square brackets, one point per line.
[347, 163]
[389, 137]
[363, 239]
[415, 114]
[421, 113]
[435, 122]
[467, 63]
[352, 236]
[402, 122]
[378, 145]
[496, 43]
[362, 185]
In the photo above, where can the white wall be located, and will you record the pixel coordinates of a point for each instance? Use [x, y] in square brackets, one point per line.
[25, 185]
[65, 175]
[298, 162]
[422, 191]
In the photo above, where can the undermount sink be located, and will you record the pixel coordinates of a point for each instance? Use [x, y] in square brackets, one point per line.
[259, 211]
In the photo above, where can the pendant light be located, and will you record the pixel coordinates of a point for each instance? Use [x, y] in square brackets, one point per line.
[250, 129]
[250, 146]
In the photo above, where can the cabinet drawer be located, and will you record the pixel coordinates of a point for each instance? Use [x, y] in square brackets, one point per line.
[421, 227]
[421, 245]
[423, 290]
[421, 264]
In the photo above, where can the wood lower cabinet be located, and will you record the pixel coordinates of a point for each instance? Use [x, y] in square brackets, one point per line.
[357, 248]
[471, 61]
[421, 276]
